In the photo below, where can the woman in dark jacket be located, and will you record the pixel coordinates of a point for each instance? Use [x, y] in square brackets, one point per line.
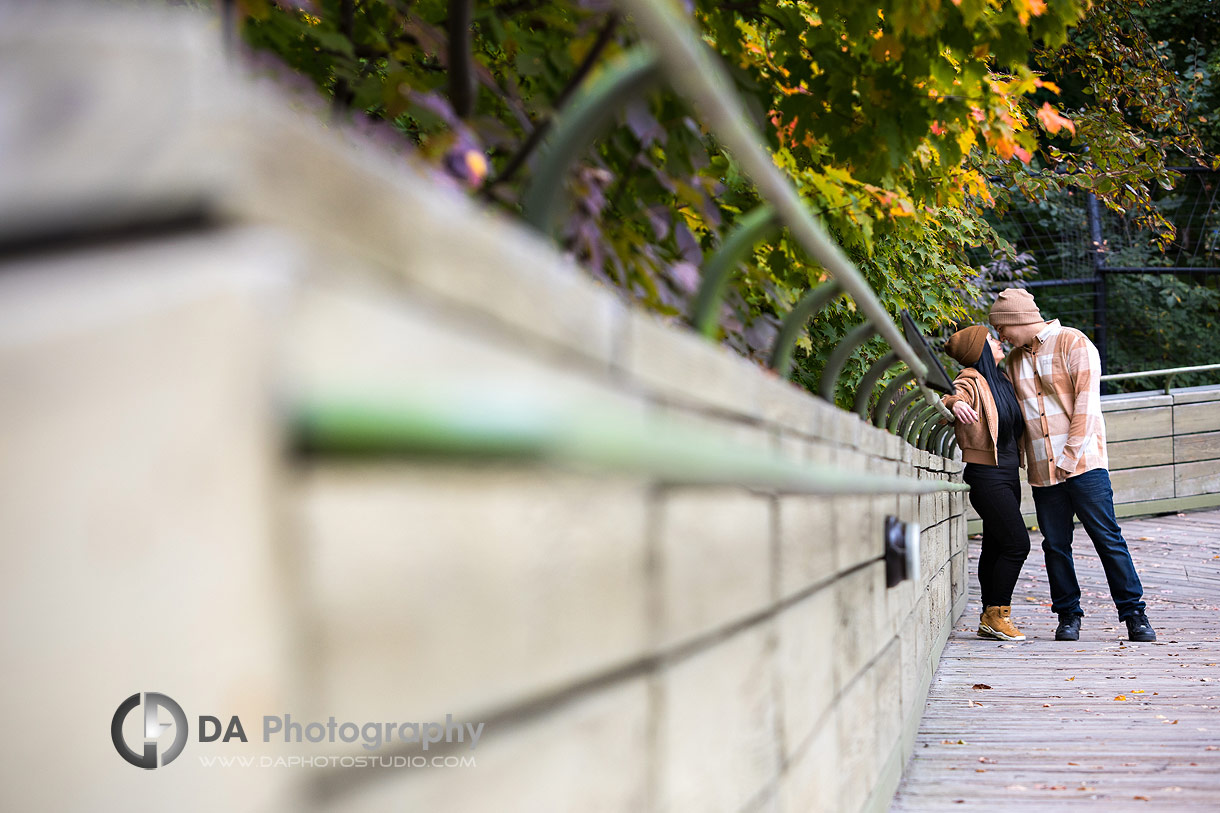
[989, 427]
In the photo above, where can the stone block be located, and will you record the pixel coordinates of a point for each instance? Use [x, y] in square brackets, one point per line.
[1199, 417]
[812, 780]
[684, 368]
[857, 529]
[912, 668]
[859, 607]
[791, 447]
[807, 654]
[1132, 424]
[361, 338]
[419, 576]
[858, 741]
[739, 433]
[958, 572]
[873, 441]
[1201, 477]
[807, 549]
[137, 488]
[1132, 454]
[590, 753]
[887, 685]
[1203, 446]
[713, 560]
[717, 735]
[791, 406]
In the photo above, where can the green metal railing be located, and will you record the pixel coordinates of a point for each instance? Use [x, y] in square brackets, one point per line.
[489, 425]
[674, 52]
[1169, 374]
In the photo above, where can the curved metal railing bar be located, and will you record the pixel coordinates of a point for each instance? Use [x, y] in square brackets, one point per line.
[903, 412]
[757, 224]
[628, 76]
[864, 392]
[838, 357]
[881, 413]
[813, 301]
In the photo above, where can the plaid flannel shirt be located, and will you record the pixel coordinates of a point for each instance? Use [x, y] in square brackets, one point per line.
[1058, 385]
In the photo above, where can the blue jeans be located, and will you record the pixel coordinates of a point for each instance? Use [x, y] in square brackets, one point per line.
[1091, 498]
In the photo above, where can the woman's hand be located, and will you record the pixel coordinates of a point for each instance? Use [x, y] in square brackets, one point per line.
[964, 414]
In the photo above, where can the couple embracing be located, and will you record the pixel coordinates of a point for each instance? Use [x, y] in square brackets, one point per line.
[1044, 413]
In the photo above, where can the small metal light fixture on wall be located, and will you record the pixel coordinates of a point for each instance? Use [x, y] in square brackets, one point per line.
[901, 551]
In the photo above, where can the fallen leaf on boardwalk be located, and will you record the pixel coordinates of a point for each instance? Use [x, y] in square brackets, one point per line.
[1085, 787]
[1073, 763]
[1141, 798]
[952, 742]
[1071, 678]
[1212, 748]
[1046, 705]
[1137, 691]
[980, 686]
[1121, 697]
[986, 761]
[980, 770]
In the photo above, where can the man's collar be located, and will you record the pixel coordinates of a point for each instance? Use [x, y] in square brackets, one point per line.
[1051, 328]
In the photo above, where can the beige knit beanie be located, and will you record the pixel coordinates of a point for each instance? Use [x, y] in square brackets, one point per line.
[1014, 306]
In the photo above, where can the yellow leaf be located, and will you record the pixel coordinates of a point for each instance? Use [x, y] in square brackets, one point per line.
[1121, 697]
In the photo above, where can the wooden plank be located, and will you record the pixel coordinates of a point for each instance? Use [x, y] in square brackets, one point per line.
[1134, 485]
[1203, 446]
[1132, 424]
[1050, 732]
[1202, 417]
[1202, 477]
[1131, 454]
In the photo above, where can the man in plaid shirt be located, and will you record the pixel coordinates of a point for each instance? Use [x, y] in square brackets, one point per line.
[1056, 372]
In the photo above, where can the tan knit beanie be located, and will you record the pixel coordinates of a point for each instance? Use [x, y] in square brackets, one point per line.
[1014, 306]
[966, 346]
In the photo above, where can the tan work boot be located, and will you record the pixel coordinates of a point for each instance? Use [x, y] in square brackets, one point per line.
[995, 623]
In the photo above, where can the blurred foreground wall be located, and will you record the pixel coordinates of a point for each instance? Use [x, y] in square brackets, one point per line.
[182, 259]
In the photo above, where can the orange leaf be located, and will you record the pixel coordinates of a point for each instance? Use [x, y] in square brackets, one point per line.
[1052, 121]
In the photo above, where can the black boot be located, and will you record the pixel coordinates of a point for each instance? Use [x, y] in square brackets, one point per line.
[1138, 629]
[1069, 627]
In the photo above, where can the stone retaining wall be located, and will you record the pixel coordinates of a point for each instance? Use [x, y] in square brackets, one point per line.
[627, 646]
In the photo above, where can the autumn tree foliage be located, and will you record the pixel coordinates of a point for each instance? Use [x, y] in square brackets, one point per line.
[902, 123]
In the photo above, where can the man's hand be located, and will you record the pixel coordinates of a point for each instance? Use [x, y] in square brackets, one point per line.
[964, 414]
[1062, 474]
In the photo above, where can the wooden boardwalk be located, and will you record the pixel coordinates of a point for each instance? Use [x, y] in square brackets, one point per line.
[1101, 723]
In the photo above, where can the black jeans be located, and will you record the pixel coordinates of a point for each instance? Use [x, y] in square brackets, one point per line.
[995, 493]
[1091, 498]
